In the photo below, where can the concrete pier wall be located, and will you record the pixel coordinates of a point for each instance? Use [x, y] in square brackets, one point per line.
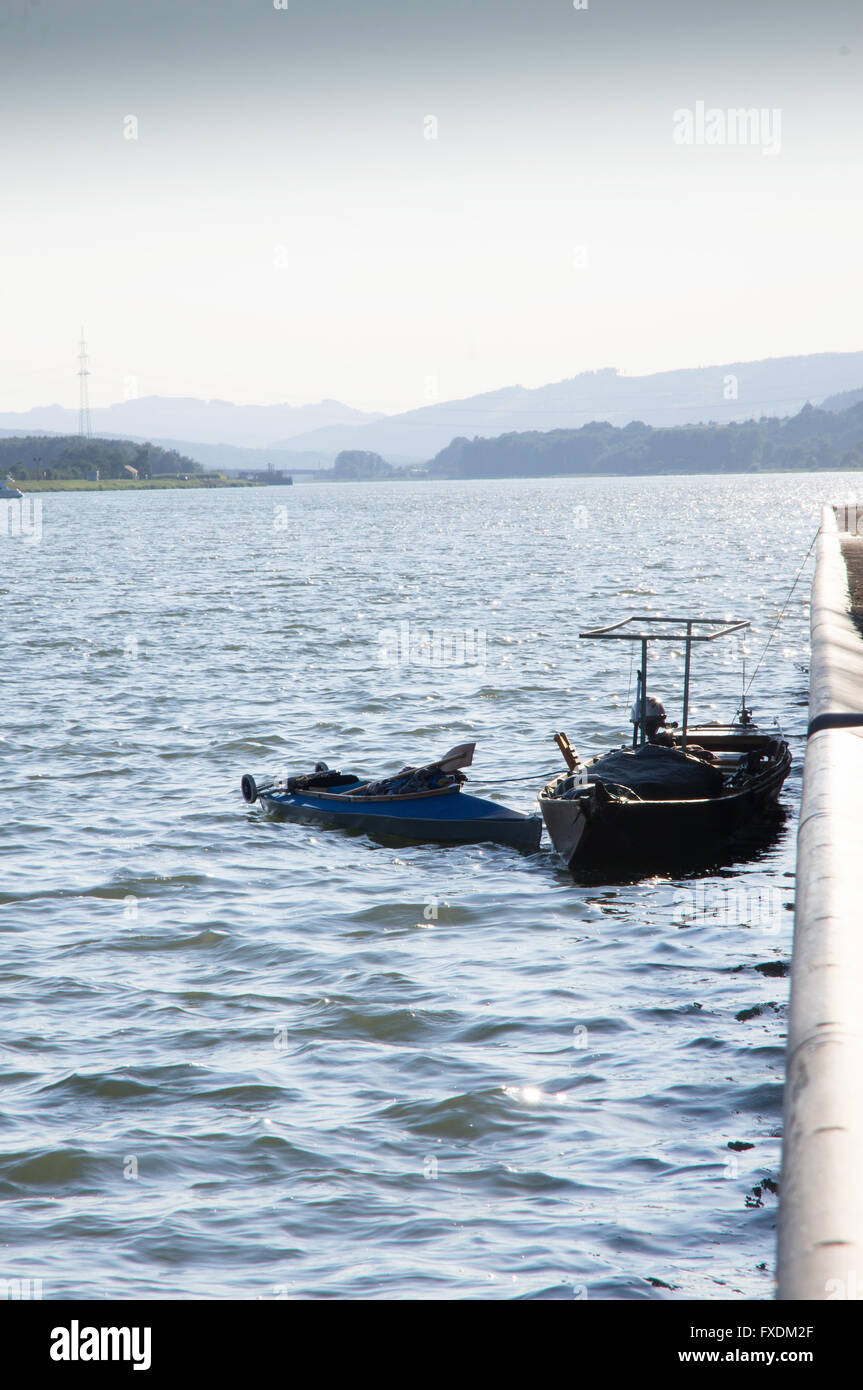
[820, 1252]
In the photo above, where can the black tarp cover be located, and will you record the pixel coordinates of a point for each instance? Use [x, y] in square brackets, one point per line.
[658, 774]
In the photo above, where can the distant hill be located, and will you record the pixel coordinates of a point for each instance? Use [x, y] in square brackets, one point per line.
[812, 439]
[181, 418]
[32, 457]
[843, 400]
[227, 457]
[776, 386]
[232, 457]
[356, 464]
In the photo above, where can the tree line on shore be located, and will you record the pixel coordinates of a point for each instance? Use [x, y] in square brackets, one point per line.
[37, 457]
[813, 439]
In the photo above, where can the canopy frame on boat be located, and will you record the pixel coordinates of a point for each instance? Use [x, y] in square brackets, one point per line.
[720, 627]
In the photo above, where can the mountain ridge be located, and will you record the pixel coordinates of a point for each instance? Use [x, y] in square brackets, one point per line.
[312, 435]
[688, 395]
[210, 421]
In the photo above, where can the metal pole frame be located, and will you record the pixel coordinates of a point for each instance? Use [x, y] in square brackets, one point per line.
[643, 710]
[686, 669]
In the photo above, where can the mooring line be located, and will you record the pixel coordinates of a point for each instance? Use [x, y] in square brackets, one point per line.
[782, 611]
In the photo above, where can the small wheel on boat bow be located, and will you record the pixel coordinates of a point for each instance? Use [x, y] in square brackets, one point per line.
[249, 788]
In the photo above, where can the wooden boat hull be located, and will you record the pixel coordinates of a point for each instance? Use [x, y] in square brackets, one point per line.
[600, 830]
[451, 817]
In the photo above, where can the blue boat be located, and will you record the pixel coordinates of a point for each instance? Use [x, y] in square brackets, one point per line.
[417, 804]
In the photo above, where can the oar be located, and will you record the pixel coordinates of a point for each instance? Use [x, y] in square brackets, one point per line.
[460, 756]
[570, 757]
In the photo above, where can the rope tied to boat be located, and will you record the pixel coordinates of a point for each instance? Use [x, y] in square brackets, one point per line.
[781, 612]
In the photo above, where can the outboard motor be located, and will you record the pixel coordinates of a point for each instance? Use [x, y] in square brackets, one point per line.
[655, 717]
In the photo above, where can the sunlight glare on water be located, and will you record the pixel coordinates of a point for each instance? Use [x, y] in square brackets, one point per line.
[251, 1059]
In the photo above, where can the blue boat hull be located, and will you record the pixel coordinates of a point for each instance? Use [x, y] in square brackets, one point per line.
[453, 817]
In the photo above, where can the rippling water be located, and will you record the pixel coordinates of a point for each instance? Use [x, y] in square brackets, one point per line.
[250, 1059]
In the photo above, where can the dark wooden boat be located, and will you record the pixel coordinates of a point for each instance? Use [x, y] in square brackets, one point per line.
[676, 796]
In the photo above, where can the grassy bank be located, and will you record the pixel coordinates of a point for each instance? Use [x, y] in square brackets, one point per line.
[125, 484]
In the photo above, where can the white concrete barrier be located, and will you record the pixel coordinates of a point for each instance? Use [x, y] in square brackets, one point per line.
[820, 1253]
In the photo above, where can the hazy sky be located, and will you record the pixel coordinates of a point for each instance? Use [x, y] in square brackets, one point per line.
[282, 229]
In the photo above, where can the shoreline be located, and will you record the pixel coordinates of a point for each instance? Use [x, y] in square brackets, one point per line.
[170, 482]
[128, 484]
